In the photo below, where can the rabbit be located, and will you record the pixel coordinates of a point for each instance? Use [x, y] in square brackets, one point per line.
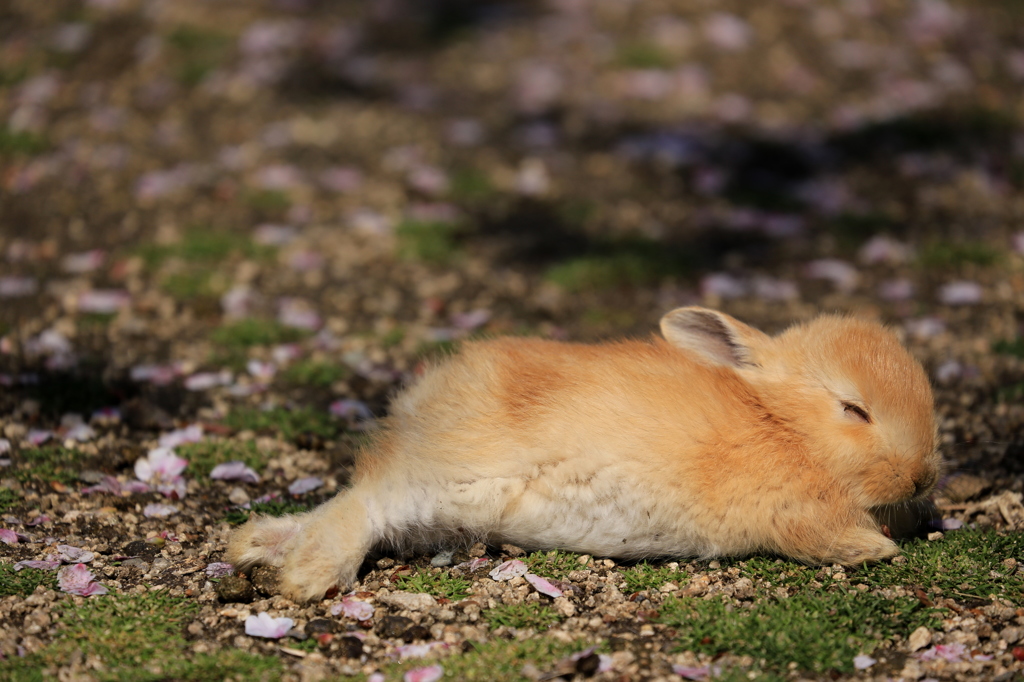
[716, 440]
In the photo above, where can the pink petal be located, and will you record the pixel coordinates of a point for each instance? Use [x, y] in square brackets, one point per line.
[38, 436]
[175, 488]
[304, 485]
[353, 608]
[727, 31]
[691, 673]
[430, 673]
[40, 565]
[8, 536]
[863, 662]
[79, 263]
[234, 471]
[78, 580]
[189, 434]
[351, 409]
[883, 249]
[542, 585]
[103, 301]
[961, 293]
[74, 555]
[16, 287]
[219, 569]
[472, 319]
[952, 524]
[204, 381]
[508, 570]
[264, 625]
[723, 285]
[843, 275]
[297, 313]
[158, 510]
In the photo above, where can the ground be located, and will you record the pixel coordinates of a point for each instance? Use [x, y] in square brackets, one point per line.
[233, 229]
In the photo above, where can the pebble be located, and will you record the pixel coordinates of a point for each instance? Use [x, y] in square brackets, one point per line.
[235, 589]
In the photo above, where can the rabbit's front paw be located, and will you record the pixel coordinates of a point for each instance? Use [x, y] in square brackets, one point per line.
[858, 545]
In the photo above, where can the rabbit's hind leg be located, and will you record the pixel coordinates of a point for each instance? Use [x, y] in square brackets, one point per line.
[329, 549]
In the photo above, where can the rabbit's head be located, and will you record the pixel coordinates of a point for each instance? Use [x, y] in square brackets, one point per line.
[860, 401]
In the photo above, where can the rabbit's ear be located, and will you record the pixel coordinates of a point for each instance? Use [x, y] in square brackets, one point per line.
[716, 337]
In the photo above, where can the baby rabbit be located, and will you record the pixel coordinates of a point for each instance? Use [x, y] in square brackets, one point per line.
[717, 441]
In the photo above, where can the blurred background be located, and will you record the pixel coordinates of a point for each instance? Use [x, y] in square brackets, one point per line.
[213, 203]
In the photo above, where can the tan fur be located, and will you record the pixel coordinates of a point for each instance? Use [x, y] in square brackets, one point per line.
[719, 441]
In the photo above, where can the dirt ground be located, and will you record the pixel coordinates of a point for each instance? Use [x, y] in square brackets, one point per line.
[235, 228]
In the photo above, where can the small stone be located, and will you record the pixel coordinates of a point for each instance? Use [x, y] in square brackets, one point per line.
[588, 665]
[238, 496]
[564, 607]
[442, 559]
[412, 601]
[385, 562]
[350, 647]
[714, 565]
[920, 638]
[478, 550]
[512, 550]
[416, 632]
[937, 535]
[394, 626]
[140, 548]
[235, 588]
[136, 562]
[963, 487]
[297, 634]
[264, 579]
[1011, 635]
[319, 626]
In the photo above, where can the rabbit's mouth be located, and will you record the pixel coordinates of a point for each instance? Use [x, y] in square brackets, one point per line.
[909, 519]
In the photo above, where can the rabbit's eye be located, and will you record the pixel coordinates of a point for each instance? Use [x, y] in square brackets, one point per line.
[857, 412]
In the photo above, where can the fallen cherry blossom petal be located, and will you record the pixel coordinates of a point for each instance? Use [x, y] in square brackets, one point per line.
[16, 287]
[38, 520]
[160, 464]
[189, 434]
[219, 569]
[5, 446]
[376, 677]
[80, 263]
[723, 285]
[103, 301]
[508, 570]
[950, 652]
[265, 625]
[38, 436]
[293, 312]
[8, 536]
[159, 510]
[473, 564]
[472, 319]
[542, 585]
[351, 409]
[264, 371]
[700, 673]
[78, 580]
[305, 485]
[842, 275]
[234, 471]
[430, 673]
[863, 662]
[952, 524]
[884, 249]
[48, 565]
[961, 293]
[353, 608]
[204, 381]
[74, 555]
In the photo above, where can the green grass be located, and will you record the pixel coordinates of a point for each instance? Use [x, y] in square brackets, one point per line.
[315, 373]
[278, 507]
[520, 616]
[21, 143]
[470, 186]
[198, 51]
[253, 332]
[440, 584]
[646, 577]
[204, 246]
[818, 631]
[268, 200]
[627, 264]
[1014, 348]
[432, 242]
[24, 582]
[393, 337]
[964, 564]
[643, 56]
[288, 423]
[190, 286]
[137, 638]
[553, 564]
[952, 256]
[48, 463]
[497, 661]
[203, 457]
[8, 498]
